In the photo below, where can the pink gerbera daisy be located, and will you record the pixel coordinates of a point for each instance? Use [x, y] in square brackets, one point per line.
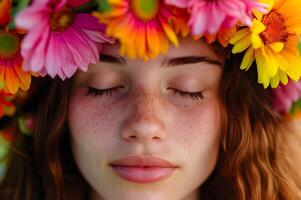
[59, 41]
[285, 95]
[208, 16]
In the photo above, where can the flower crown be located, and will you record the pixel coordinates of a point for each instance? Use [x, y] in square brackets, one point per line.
[58, 37]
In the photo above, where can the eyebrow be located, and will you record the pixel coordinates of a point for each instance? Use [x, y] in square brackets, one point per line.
[173, 62]
[167, 62]
[112, 59]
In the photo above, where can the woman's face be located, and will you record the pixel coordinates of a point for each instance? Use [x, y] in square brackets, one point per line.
[123, 114]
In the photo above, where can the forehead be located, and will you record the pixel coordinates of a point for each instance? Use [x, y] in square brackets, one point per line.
[187, 47]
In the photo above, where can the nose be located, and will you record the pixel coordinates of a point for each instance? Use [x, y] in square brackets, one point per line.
[144, 123]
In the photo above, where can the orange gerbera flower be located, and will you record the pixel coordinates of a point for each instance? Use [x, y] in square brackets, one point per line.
[5, 10]
[143, 28]
[11, 73]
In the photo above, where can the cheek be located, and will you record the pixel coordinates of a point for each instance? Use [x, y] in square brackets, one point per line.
[197, 124]
[196, 135]
[90, 122]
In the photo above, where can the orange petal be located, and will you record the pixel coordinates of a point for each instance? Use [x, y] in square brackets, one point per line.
[12, 80]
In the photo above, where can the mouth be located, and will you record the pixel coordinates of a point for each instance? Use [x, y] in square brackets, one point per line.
[143, 169]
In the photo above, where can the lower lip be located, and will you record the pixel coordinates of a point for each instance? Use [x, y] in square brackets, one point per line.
[143, 174]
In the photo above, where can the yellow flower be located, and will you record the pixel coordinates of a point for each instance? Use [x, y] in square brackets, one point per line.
[272, 41]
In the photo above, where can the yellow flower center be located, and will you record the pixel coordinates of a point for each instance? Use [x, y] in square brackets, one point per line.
[275, 29]
[9, 45]
[145, 9]
[62, 19]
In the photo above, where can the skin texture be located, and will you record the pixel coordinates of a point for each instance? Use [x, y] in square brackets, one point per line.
[146, 117]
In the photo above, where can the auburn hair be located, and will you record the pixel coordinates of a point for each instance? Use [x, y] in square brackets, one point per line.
[252, 162]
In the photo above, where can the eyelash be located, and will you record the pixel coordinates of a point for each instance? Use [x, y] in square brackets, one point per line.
[98, 93]
[109, 92]
[193, 95]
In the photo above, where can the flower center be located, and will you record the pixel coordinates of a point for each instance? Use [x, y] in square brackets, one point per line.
[9, 45]
[275, 29]
[145, 9]
[61, 20]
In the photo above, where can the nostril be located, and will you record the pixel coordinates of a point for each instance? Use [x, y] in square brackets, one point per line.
[156, 138]
[133, 136]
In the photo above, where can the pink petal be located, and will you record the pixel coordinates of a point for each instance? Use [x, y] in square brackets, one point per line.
[80, 51]
[31, 17]
[177, 3]
[92, 28]
[76, 3]
[229, 22]
[62, 75]
[30, 42]
[98, 37]
[54, 56]
[284, 103]
[88, 21]
[216, 19]
[59, 4]
[291, 91]
[198, 22]
[38, 53]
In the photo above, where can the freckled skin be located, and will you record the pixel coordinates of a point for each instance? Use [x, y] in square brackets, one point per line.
[146, 118]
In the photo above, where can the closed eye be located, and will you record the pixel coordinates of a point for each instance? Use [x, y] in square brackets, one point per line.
[91, 91]
[192, 95]
[102, 92]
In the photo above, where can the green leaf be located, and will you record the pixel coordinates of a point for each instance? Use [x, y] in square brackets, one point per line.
[2, 84]
[103, 5]
[86, 8]
[18, 5]
[22, 126]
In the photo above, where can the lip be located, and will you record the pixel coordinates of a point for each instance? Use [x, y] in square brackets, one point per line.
[143, 169]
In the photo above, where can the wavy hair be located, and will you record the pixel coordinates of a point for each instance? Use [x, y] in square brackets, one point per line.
[252, 163]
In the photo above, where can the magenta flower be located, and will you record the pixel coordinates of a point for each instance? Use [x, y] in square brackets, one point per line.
[208, 16]
[285, 95]
[59, 41]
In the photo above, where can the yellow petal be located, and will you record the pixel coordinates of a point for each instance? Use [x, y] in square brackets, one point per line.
[258, 15]
[114, 1]
[277, 46]
[242, 45]
[274, 81]
[283, 77]
[248, 59]
[239, 35]
[170, 33]
[257, 27]
[261, 69]
[271, 63]
[283, 64]
[294, 65]
[256, 41]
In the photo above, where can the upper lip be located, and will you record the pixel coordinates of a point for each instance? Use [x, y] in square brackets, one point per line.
[142, 161]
